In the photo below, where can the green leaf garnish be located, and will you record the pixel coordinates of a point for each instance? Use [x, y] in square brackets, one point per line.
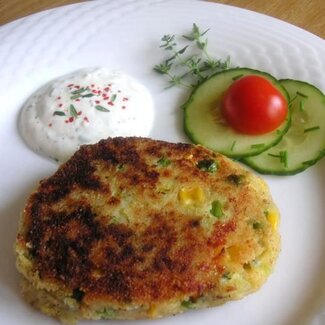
[192, 69]
[168, 42]
[257, 146]
[202, 44]
[283, 156]
[301, 106]
[232, 146]
[301, 94]
[176, 81]
[59, 113]
[314, 128]
[257, 225]
[73, 111]
[195, 34]
[112, 99]
[237, 77]
[235, 179]
[164, 162]
[78, 91]
[163, 68]
[75, 96]
[88, 95]
[101, 108]
[207, 165]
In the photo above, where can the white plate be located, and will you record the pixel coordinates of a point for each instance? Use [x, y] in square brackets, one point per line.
[125, 35]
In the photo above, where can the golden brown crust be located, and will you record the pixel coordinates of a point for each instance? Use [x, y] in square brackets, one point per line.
[110, 226]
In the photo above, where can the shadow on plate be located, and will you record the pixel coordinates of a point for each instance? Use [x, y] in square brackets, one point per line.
[179, 114]
[9, 221]
[314, 300]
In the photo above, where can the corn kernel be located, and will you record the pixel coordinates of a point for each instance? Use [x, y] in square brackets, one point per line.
[234, 252]
[191, 195]
[273, 218]
[152, 311]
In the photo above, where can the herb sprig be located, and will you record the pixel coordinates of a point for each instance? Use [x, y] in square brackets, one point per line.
[189, 70]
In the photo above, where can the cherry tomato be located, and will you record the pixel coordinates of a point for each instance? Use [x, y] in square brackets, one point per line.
[252, 105]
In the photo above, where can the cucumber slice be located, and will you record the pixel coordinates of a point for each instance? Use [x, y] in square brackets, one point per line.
[204, 124]
[304, 144]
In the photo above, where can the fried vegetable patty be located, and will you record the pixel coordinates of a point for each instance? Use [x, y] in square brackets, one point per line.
[138, 228]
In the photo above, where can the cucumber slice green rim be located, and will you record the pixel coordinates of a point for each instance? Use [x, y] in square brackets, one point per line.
[204, 124]
[304, 144]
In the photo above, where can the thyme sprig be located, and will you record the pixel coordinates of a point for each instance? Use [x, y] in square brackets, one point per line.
[192, 69]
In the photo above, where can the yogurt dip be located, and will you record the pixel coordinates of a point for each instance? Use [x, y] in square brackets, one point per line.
[83, 108]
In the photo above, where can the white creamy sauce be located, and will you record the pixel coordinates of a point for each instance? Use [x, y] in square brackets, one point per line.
[83, 108]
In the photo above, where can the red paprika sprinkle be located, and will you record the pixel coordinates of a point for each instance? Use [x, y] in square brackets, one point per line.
[110, 103]
[86, 119]
[77, 87]
[60, 105]
[71, 85]
[79, 113]
[50, 124]
[59, 98]
[125, 99]
[71, 119]
[97, 101]
[92, 86]
[77, 100]
[123, 107]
